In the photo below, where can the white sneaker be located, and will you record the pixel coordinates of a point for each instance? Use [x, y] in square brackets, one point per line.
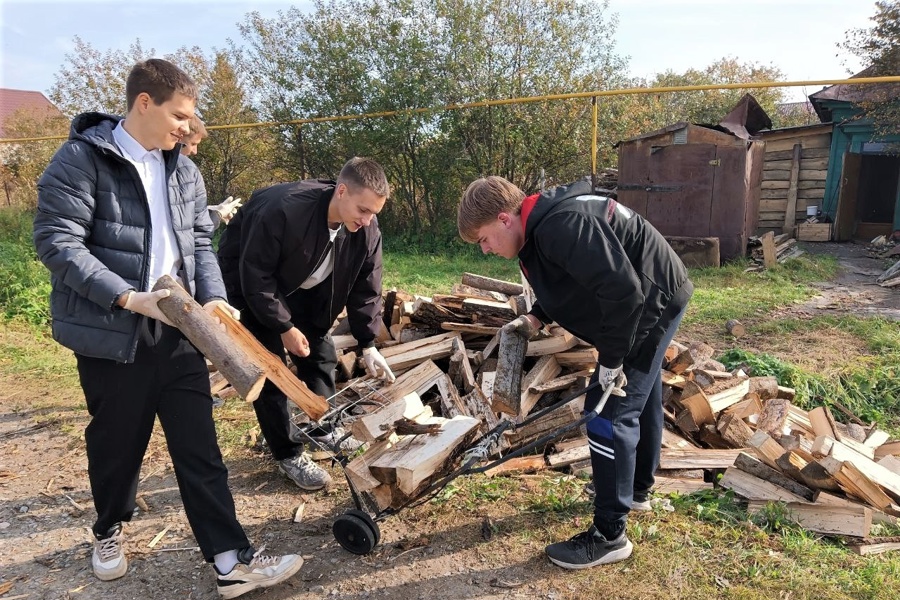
[322, 446]
[255, 570]
[109, 560]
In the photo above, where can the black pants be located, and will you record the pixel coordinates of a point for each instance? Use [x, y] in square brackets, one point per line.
[315, 370]
[625, 439]
[169, 380]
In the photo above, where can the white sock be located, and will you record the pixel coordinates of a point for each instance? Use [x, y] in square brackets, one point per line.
[225, 561]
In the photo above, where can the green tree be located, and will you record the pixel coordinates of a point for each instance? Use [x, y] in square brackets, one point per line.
[636, 114]
[23, 163]
[234, 161]
[878, 46]
[91, 80]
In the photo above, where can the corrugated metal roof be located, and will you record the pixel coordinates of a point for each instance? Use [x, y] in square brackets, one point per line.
[15, 100]
[847, 92]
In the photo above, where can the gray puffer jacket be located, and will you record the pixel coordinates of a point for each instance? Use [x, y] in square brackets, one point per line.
[92, 231]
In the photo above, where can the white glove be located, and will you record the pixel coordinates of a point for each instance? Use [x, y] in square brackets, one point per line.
[227, 208]
[612, 377]
[144, 303]
[524, 326]
[210, 307]
[376, 365]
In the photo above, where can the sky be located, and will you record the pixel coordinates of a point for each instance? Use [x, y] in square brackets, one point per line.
[797, 36]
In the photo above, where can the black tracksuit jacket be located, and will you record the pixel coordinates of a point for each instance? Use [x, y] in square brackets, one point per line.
[602, 272]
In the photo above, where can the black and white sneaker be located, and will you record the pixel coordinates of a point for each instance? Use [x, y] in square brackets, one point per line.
[589, 549]
[254, 571]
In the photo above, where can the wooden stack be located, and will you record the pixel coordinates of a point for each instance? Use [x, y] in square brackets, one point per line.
[836, 479]
[769, 249]
[891, 276]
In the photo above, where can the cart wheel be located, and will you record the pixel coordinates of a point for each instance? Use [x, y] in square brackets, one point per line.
[369, 521]
[354, 534]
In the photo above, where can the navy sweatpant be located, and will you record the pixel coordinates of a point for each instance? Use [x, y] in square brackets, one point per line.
[625, 439]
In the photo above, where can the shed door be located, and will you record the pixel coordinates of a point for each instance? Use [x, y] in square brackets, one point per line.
[681, 181]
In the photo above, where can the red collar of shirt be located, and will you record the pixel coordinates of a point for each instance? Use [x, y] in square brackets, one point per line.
[527, 206]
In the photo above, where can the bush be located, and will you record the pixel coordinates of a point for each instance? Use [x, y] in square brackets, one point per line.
[24, 282]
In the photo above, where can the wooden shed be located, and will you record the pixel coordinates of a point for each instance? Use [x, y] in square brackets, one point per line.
[694, 181]
[794, 171]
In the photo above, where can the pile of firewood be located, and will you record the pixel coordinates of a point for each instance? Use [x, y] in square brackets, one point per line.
[769, 249]
[835, 479]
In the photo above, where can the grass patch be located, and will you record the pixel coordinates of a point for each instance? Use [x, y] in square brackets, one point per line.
[729, 292]
[427, 273]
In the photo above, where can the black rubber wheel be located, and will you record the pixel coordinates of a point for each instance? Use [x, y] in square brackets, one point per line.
[369, 521]
[354, 534]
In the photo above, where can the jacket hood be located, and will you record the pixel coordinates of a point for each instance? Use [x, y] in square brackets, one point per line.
[94, 127]
[549, 199]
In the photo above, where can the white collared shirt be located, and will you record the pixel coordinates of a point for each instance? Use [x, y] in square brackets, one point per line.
[165, 258]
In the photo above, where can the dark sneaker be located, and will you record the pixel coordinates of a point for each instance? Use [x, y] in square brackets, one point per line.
[109, 560]
[589, 549]
[256, 570]
[305, 473]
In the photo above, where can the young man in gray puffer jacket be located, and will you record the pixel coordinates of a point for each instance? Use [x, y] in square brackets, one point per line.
[118, 208]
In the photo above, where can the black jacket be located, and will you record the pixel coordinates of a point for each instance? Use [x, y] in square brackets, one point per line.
[92, 231]
[275, 242]
[602, 272]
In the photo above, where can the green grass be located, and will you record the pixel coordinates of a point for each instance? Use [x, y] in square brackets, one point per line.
[24, 282]
[730, 293]
[428, 273]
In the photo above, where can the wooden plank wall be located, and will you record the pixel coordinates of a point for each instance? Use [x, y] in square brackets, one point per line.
[776, 181]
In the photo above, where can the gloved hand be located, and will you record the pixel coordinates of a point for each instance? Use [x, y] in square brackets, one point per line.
[144, 303]
[526, 325]
[612, 377]
[210, 307]
[227, 208]
[376, 365]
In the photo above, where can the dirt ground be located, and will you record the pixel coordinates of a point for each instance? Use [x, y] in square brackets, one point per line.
[854, 290]
[46, 510]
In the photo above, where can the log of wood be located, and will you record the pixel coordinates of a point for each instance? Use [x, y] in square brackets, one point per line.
[585, 358]
[415, 459]
[490, 284]
[696, 353]
[831, 520]
[755, 467]
[888, 449]
[767, 449]
[774, 414]
[520, 464]
[855, 483]
[239, 367]
[696, 458]
[372, 426]
[357, 470]
[753, 488]
[726, 392]
[467, 291]
[550, 422]
[826, 446]
[312, 404]
[670, 485]
[768, 248]
[735, 328]
[545, 369]
[552, 344]
[507, 396]
[734, 431]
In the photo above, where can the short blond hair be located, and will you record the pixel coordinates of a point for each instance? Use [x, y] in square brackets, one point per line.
[482, 201]
[197, 128]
